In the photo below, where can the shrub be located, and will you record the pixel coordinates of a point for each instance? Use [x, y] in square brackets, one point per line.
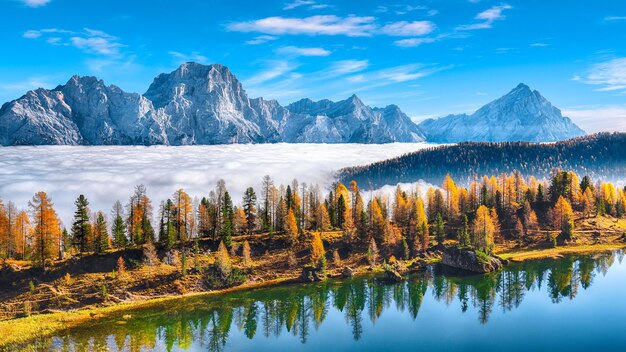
[27, 308]
[150, 257]
[222, 274]
[121, 268]
[31, 286]
[67, 279]
[104, 292]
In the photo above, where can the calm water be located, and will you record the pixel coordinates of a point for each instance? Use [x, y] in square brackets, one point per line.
[569, 304]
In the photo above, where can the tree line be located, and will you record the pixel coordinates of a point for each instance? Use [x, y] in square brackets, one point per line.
[508, 206]
[595, 155]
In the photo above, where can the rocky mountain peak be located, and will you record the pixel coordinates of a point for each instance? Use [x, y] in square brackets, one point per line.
[520, 115]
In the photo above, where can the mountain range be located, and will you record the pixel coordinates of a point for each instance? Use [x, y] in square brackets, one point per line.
[206, 104]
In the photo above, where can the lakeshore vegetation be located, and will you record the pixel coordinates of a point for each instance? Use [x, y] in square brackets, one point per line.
[210, 243]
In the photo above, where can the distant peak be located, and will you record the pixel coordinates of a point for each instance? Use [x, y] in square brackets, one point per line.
[77, 80]
[191, 65]
[522, 88]
[354, 100]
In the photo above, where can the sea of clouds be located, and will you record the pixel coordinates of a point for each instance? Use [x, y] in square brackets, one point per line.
[105, 174]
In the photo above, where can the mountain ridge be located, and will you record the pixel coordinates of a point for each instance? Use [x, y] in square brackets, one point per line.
[201, 104]
[520, 115]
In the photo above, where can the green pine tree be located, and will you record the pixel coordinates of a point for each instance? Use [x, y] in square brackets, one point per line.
[81, 228]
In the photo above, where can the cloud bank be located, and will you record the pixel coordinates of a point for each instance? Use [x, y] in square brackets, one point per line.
[107, 174]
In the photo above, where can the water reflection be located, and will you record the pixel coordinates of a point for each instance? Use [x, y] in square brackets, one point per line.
[208, 324]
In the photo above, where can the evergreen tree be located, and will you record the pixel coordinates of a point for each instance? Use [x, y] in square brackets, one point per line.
[66, 240]
[118, 229]
[440, 232]
[463, 233]
[81, 227]
[341, 211]
[249, 209]
[101, 236]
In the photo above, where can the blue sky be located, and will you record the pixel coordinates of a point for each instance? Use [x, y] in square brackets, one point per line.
[430, 58]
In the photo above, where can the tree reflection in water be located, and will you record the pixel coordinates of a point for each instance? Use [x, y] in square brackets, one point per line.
[207, 322]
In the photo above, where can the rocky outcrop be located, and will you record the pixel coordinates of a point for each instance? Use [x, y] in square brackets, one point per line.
[471, 261]
[311, 273]
[347, 272]
[392, 275]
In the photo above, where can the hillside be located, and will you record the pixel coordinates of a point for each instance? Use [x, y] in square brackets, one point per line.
[600, 155]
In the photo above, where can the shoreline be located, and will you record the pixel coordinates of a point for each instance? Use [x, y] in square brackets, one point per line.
[558, 252]
[16, 332]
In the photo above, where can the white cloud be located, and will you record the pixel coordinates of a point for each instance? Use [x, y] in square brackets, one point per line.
[97, 45]
[408, 29]
[294, 50]
[194, 56]
[109, 173]
[351, 26]
[347, 66]
[298, 3]
[88, 40]
[31, 34]
[615, 18]
[276, 69]
[611, 74]
[413, 42]
[599, 118]
[261, 39]
[35, 3]
[54, 40]
[405, 73]
[539, 45]
[487, 17]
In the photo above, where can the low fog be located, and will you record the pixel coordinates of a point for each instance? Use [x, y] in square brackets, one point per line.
[107, 174]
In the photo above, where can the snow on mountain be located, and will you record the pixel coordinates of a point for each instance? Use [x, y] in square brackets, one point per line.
[348, 121]
[520, 115]
[206, 104]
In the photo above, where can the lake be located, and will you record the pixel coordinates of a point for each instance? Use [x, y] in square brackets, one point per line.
[568, 304]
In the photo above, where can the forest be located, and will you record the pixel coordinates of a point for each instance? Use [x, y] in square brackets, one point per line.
[211, 243]
[598, 155]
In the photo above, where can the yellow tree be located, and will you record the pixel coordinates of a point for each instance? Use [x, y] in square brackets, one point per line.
[400, 208]
[46, 231]
[317, 249]
[483, 230]
[322, 218]
[378, 223]
[563, 218]
[4, 234]
[22, 232]
[588, 202]
[183, 208]
[452, 201]
[291, 228]
[240, 222]
[341, 192]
